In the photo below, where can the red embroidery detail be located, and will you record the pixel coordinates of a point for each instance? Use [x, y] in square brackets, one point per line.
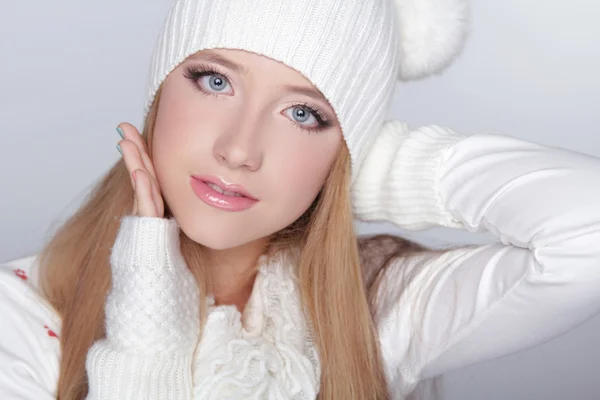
[21, 274]
[51, 332]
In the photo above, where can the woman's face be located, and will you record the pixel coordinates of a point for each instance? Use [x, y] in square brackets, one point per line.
[244, 123]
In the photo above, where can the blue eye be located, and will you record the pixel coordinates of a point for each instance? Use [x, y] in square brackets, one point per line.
[214, 82]
[301, 115]
[210, 81]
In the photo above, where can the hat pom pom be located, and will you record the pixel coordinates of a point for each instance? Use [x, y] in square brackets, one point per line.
[432, 34]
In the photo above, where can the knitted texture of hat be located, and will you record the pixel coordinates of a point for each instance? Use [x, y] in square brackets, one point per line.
[349, 49]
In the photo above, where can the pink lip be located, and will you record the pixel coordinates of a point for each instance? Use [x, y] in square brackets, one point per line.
[220, 200]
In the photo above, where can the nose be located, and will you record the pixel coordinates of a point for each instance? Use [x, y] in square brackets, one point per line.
[238, 146]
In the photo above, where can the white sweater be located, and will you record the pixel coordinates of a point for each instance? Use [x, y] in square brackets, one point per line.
[464, 306]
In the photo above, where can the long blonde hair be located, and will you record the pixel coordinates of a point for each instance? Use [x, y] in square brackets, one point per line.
[76, 279]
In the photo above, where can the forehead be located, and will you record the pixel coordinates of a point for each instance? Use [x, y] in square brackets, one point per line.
[245, 61]
[252, 65]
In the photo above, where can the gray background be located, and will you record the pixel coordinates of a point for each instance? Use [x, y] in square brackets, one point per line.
[71, 70]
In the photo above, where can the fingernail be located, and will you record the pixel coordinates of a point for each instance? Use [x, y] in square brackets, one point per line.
[119, 148]
[120, 131]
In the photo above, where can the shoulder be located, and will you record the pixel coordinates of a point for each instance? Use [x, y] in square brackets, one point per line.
[22, 270]
[29, 345]
[19, 280]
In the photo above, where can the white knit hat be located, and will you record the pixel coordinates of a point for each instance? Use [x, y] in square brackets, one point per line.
[353, 51]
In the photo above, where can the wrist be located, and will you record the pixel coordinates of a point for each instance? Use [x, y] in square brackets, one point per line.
[145, 241]
[399, 182]
[153, 302]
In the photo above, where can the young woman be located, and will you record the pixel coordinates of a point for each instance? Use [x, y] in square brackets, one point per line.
[218, 259]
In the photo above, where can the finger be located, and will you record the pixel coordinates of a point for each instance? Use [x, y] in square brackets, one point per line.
[133, 137]
[134, 210]
[143, 193]
[133, 162]
[135, 206]
[132, 157]
[158, 200]
[131, 133]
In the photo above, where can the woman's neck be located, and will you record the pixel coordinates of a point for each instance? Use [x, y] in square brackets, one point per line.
[232, 272]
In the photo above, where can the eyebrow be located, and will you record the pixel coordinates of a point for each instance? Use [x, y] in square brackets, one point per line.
[210, 56]
[307, 91]
[217, 59]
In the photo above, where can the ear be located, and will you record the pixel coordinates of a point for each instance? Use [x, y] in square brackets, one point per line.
[432, 34]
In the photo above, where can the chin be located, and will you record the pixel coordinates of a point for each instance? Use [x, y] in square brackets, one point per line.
[216, 239]
[217, 233]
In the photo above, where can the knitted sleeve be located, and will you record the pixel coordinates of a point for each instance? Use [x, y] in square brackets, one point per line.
[152, 317]
[444, 310]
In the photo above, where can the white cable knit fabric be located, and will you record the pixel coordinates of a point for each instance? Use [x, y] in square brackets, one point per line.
[152, 316]
[266, 353]
[390, 188]
[144, 273]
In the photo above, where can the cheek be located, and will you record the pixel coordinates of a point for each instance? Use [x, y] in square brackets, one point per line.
[169, 128]
[185, 116]
[169, 138]
[302, 168]
[185, 126]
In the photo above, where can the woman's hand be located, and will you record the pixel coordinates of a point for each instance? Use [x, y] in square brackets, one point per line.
[148, 201]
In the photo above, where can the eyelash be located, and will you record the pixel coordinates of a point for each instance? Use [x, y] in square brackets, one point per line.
[195, 72]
